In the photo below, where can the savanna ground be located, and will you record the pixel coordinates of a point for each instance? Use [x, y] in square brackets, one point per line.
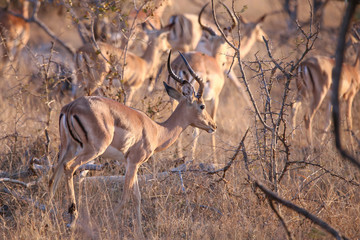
[189, 204]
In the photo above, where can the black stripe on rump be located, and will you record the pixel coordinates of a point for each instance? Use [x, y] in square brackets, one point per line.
[71, 132]
[61, 115]
[81, 126]
[311, 78]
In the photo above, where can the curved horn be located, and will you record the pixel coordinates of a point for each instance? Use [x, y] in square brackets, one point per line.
[172, 74]
[195, 76]
[232, 18]
[243, 19]
[261, 19]
[205, 28]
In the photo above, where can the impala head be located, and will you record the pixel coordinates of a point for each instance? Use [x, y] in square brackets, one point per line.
[194, 104]
[158, 37]
[254, 28]
[210, 42]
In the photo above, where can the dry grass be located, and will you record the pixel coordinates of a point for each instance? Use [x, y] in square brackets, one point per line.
[187, 205]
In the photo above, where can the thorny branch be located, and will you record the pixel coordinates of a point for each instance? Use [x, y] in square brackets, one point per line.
[351, 181]
[127, 45]
[237, 53]
[228, 165]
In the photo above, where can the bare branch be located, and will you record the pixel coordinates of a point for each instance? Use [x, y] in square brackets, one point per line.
[27, 185]
[237, 54]
[273, 196]
[34, 19]
[228, 165]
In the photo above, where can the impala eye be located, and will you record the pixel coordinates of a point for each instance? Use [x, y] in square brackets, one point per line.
[202, 107]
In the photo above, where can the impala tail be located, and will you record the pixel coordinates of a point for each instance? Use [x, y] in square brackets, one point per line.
[307, 81]
[54, 180]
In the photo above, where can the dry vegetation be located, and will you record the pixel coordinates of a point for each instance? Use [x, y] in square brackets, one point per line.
[196, 202]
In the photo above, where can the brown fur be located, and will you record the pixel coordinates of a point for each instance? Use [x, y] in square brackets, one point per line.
[314, 84]
[97, 126]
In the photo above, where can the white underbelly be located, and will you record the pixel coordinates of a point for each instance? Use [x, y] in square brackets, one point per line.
[113, 153]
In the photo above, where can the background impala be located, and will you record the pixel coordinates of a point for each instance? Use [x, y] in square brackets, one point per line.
[15, 32]
[314, 84]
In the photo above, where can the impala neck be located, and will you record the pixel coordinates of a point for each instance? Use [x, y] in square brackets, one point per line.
[161, 8]
[246, 43]
[220, 54]
[170, 130]
[151, 55]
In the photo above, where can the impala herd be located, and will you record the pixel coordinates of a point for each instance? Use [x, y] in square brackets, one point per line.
[91, 126]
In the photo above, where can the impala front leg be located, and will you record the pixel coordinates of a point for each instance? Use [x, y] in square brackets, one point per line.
[131, 183]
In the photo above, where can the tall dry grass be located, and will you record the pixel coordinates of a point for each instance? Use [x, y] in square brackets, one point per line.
[183, 205]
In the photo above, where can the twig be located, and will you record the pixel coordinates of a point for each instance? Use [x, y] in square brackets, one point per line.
[237, 52]
[228, 165]
[24, 184]
[352, 182]
[34, 19]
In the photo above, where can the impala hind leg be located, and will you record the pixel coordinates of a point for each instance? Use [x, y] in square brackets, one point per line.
[349, 118]
[309, 116]
[69, 169]
[294, 111]
[327, 122]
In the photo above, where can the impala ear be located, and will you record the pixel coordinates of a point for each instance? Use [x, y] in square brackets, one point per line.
[172, 92]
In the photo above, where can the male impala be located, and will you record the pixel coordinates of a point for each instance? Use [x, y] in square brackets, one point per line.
[97, 126]
[209, 70]
[211, 67]
[15, 33]
[187, 34]
[314, 83]
[188, 30]
[93, 67]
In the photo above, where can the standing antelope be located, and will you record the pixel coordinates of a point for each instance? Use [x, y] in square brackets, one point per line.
[213, 65]
[188, 30]
[216, 46]
[97, 126]
[92, 67]
[314, 83]
[187, 34]
[209, 70]
[15, 33]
